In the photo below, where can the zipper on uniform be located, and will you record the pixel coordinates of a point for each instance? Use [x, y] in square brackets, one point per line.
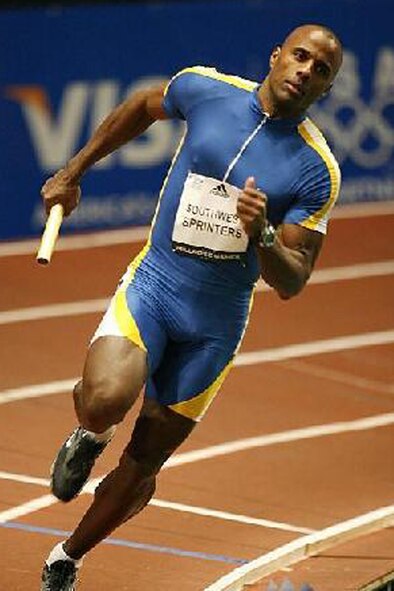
[242, 149]
[238, 155]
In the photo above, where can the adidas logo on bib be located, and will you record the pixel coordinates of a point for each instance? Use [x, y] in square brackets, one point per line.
[220, 190]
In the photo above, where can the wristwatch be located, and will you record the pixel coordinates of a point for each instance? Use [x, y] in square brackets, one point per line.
[266, 239]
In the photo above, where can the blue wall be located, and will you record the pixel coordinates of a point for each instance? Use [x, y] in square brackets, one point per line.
[63, 69]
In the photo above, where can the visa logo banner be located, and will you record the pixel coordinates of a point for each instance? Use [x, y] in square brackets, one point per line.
[360, 131]
[83, 61]
[57, 134]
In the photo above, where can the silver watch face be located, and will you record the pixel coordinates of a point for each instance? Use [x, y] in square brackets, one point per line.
[267, 236]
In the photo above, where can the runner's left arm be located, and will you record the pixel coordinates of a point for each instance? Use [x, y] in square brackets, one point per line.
[288, 263]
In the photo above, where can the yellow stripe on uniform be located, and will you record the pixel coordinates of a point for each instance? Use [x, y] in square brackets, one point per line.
[124, 318]
[314, 138]
[196, 407]
[243, 83]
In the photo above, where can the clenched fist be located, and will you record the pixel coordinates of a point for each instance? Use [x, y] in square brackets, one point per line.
[252, 208]
[61, 188]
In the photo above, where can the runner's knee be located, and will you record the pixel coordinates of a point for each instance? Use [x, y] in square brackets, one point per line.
[102, 403]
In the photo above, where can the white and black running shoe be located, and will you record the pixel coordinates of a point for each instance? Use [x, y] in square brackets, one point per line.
[59, 576]
[73, 464]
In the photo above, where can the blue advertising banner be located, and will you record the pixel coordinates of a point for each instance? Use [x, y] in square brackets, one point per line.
[63, 69]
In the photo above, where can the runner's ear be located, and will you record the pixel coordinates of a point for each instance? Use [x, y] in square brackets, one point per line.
[275, 54]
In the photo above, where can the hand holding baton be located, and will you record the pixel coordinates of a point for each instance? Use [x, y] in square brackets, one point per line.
[50, 234]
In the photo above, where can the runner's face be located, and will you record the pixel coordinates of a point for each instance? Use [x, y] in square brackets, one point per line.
[303, 69]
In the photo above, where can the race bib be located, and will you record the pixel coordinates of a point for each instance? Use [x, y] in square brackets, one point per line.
[206, 223]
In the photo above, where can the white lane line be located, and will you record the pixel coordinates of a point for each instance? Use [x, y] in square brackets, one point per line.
[346, 273]
[304, 547]
[79, 241]
[350, 272]
[37, 390]
[224, 449]
[341, 377]
[139, 234]
[47, 500]
[203, 511]
[53, 311]
[24, 479]
[247, 358]
[319, 277]
[26, 508]
[357, 341]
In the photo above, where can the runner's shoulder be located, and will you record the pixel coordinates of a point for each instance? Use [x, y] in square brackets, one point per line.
[197, 85]
[208, 76]
[316, 153]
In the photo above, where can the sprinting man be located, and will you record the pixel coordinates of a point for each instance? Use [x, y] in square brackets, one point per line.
[248, 194]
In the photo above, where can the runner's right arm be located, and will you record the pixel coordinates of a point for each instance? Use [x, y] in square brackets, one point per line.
[129, 120]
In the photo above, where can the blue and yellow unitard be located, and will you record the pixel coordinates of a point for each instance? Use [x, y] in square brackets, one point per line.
[188, 312]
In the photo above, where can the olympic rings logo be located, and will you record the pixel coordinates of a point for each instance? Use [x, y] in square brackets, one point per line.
[357, 130]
